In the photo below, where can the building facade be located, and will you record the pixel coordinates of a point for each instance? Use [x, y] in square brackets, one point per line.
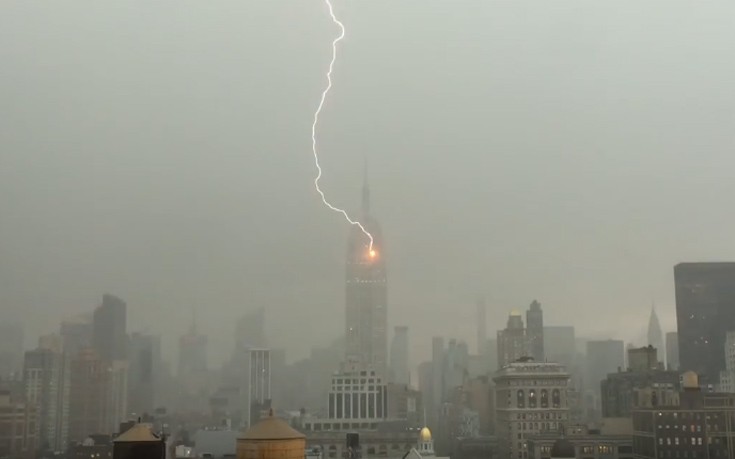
[17, 428]
[672, 351]
[603, 357]
[359, 395]
[696, 424]
[530, 398]
[705, 312]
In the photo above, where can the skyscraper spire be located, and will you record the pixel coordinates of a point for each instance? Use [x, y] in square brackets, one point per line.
[655, 335]
[365, 190]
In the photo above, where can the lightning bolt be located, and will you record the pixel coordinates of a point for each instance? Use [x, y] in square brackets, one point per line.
[316, 121]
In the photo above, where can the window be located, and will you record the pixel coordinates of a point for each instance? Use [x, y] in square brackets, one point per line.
[520, 399]
[544, 398]
[532, 398]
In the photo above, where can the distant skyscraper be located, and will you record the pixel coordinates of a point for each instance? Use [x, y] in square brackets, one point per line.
[11, 350]
[192, 353]
[481, 326]
[603, 357]
[437, 375]
[705, 312]
[559, 345]
[145, 365]
[46, 381]
[109, 329]
[250, 331]
[513, 342]
[366, 294]
[535, 331]
[76, 334]
[399, 366]
[655, 335]
[672, 351]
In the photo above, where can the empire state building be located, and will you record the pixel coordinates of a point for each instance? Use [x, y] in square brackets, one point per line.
[366, 294]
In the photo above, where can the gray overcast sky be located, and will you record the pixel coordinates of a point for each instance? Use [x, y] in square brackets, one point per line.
[567, 151]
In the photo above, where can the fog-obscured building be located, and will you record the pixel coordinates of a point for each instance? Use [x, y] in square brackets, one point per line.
[603, 357]
[17, 427]
[143, 374]
[11, 350]
[559, 344]
[672, 351]
[399, 364]
[109, 329]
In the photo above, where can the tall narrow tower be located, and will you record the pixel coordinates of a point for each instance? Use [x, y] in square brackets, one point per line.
[366, 315]
[535, 324]
[481, 326]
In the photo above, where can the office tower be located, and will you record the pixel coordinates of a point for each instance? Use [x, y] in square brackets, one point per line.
[535, 331]
[481, 326]
[46, 382]
[144, 366]
[250, 331]
[400, 372]
[530, 398]
[491, 354]
[11, 350]
[456, 362]
[672, 351]
[257, 386]
[109, 325]
[513, 343]
[705, 312]
[603, 357]
[655, 335]
[366, 297]
[559, 345]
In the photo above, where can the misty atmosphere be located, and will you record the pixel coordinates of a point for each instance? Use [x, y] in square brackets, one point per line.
[532, 172]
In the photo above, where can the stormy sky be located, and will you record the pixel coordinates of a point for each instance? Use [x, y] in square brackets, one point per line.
[571, 152]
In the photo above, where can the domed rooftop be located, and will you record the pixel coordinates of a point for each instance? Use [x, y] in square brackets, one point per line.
[425, 434]
[562, 449]
[272, 428]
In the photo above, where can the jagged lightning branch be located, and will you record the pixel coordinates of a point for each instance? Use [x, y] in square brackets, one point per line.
[316, 121]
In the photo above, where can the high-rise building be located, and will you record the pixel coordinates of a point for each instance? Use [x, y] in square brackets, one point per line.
[366, 293]
[109, 335]
[145, 364]
[655, 335]
[705, 312]
[192, 353]
[513, 343]
[535, 331]
[672, 351]
[89, 389]
[46, 382]
[481, 325]
[250, 331]
[399, 366]
[603, 357]
[530, 398]
[11, 350]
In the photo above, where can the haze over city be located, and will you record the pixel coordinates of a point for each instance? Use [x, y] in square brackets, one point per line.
[569, 152]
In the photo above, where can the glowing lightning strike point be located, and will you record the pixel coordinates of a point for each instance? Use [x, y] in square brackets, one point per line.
[371, 251]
